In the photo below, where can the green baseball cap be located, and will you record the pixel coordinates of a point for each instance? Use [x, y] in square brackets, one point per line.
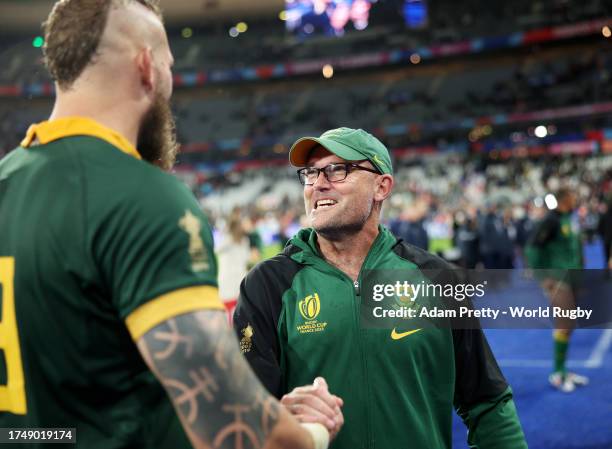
[347, 143]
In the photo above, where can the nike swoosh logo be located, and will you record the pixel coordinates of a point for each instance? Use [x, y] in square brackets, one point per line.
[396, 336]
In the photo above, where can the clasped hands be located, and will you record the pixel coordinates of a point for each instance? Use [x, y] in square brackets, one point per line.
[315, 404]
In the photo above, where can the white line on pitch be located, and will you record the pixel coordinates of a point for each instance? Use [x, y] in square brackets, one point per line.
[541, 363]
[600, 349]
[594, 361]
[524, 363]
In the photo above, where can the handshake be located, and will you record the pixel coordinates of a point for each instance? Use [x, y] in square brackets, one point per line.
[315, 404]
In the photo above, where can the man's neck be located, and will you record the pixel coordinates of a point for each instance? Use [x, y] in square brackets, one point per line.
[115, 115]
[349, 252]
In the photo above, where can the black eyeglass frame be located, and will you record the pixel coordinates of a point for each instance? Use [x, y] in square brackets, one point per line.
[348, 166]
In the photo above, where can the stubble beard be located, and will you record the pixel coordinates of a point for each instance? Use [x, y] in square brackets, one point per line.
[337, 230]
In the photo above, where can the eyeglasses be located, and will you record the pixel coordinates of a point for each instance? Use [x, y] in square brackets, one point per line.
[333, 172]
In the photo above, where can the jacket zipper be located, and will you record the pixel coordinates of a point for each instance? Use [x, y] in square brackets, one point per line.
[356, 285]
[364, 362]
[369, 444]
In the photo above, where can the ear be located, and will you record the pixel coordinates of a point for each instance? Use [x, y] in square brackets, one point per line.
[146, 69]
[384, 186]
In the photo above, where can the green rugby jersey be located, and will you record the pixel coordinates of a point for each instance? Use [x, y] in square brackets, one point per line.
[96, 248]
[553, 244]
[298, 317]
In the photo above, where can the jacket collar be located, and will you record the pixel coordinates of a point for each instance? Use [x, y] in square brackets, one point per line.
[304, 250]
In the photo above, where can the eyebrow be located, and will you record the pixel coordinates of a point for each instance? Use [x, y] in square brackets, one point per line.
[329, 163]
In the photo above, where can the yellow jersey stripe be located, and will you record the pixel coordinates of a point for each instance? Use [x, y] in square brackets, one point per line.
[167, 306]
[48, 131]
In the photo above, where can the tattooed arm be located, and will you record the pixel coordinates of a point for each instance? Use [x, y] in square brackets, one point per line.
[219, 400]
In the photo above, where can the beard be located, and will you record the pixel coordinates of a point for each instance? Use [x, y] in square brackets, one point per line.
[157, 135]
[346, 224]
[338, 232]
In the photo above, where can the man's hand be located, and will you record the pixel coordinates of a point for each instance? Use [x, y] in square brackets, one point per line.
[314, 403]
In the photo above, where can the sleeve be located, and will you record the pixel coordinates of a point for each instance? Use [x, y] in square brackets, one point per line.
[483, 398]
[153, 249]
[256, 321]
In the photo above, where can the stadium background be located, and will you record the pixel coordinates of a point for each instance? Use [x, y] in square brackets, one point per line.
[487, 108]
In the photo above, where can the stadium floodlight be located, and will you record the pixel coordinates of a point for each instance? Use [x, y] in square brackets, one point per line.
[328, 71]
[541, 131]
[551, 201]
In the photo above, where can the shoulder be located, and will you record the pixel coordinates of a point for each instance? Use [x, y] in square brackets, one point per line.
[552, 217]
[10, 162]
[8, 158]
[133, 204]
[421, 258]
[121, 182]
[275, 273]
[551, 221]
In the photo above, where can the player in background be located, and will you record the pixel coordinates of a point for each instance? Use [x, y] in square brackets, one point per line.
[108, 280]
[555, 248]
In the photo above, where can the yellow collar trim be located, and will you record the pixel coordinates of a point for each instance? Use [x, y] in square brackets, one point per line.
[48, 131]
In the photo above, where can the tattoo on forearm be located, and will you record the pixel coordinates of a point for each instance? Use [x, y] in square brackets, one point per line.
[174, 339]
[203, 384]
[237, 428]
[269, 407]
[197, 359]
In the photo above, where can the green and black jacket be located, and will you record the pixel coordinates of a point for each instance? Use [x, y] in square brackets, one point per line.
[397, 393]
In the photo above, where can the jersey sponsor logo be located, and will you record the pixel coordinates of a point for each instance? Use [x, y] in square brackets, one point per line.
[246, 343]
[197, 251]
[309, 308]
[395, 335]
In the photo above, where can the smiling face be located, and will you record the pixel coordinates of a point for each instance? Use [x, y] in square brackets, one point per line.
[338, 209]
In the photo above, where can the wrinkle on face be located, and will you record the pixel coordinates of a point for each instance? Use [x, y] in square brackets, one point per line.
[354, 196]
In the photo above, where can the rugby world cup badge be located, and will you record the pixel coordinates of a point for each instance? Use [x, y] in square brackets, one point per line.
[197, 250]
[309, 309]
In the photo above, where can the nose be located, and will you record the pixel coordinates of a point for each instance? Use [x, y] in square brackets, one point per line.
[321, 182]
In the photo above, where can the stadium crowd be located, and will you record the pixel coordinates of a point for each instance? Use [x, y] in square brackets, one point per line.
[473, 211]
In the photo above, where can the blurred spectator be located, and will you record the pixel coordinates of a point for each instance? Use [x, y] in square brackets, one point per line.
[589, 221]
[410, 227]
[233, 254]
[605, 229]
[496, 234]
[466, 239]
